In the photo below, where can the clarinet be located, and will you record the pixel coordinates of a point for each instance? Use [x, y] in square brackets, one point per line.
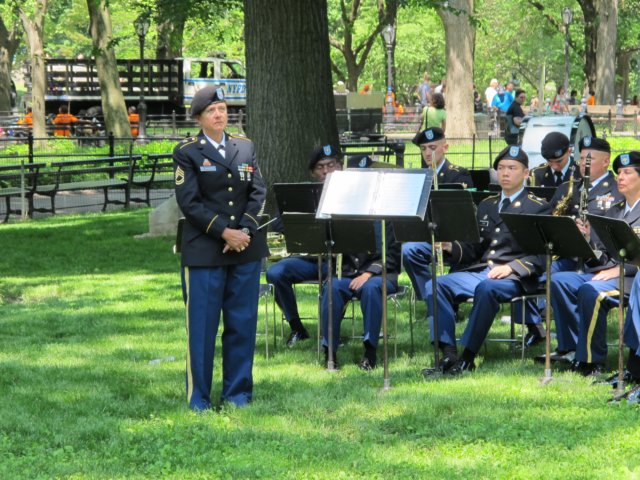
[584, 200]
[584, 193]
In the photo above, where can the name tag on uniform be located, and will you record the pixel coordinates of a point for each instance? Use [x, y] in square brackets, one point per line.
[208, 168]
[483, 223]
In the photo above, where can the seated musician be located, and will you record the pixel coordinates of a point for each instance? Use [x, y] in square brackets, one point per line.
[362, 279]
[500, 270]
[581, 301]
[416, 256]
[603, 193]
[632, 340]
[556, 150]
[298, 269]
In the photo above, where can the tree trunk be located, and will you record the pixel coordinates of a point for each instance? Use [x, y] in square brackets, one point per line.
[622, 75]
[34, 28]
[9, 42]
[290, 104]
[606, 52]
[590, 15]
[113, 106]
[460, 37]
[170, 27]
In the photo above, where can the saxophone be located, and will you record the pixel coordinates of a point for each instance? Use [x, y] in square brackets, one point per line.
[563, 204]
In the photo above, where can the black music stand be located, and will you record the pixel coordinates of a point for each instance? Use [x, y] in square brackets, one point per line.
[548, 235]
[297, 197]
[452, 217]
[623, 245]
[370, 194]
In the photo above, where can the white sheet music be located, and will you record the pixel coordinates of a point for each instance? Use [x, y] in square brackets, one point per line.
[372, 193]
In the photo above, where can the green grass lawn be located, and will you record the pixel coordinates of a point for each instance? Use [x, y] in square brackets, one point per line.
[85, 308]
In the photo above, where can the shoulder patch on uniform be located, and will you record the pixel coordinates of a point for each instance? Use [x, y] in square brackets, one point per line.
[179, 176]
[187, 141]
[235, 136]
[535, 199]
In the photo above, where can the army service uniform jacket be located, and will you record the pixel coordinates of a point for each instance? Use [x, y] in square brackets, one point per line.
[450, 173]
[214, 193]
[544, 176]
[497, 246]
[605, 260]
[600, 198]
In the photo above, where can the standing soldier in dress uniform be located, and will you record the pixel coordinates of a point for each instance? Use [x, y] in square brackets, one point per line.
[559, 168]
[416, 256]
[581, 301]
[499, 269]
[220, 192]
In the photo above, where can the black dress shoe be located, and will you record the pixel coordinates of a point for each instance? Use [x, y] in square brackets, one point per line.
[530, 339]
[366, 364]
[446, 364]
[296, 336]
[627, 378]
[588, 369]
[556, 356]
[632, 396]
[460, 367]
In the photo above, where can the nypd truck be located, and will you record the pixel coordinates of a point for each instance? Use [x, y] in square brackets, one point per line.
[168, 85]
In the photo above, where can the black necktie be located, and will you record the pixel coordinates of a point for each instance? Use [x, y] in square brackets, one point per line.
[558, 177]
[505, 203]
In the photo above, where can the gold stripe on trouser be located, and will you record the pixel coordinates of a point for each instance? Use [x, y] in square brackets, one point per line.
[594, 319]
[189, 374]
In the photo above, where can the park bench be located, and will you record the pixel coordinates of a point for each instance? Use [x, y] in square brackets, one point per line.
[108, 173]
[13, 178]
[154, 169]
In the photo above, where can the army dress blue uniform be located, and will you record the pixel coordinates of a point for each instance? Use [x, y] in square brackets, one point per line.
[581, 305]
[217, 191]
[497, 247]
[370, 294]
[416, 256]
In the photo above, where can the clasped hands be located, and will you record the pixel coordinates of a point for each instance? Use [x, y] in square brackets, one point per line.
[235, 240]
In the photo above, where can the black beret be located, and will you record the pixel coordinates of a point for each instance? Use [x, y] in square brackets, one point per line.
[631, 159]
[554, 145]
[205, 97]
[320, 153]
[594, 143]
[512, 152]
[429, 135]
[359, 161]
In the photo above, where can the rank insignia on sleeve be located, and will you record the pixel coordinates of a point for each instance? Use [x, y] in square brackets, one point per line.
[179, 176]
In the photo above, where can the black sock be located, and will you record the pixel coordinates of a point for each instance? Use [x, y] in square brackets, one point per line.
[369, 352]
[296, 325]
[468, 355]
[449, 350]
[633, 364]
[536, 329]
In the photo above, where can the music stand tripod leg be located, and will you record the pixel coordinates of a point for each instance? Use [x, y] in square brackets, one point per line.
[434, 285]
[547, 309]
[387, 382]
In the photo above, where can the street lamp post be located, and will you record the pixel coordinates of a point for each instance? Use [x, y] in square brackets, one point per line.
[142, 27]
[567, 17]
[389, 35]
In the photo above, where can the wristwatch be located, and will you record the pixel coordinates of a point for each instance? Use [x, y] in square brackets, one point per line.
[246, 231]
